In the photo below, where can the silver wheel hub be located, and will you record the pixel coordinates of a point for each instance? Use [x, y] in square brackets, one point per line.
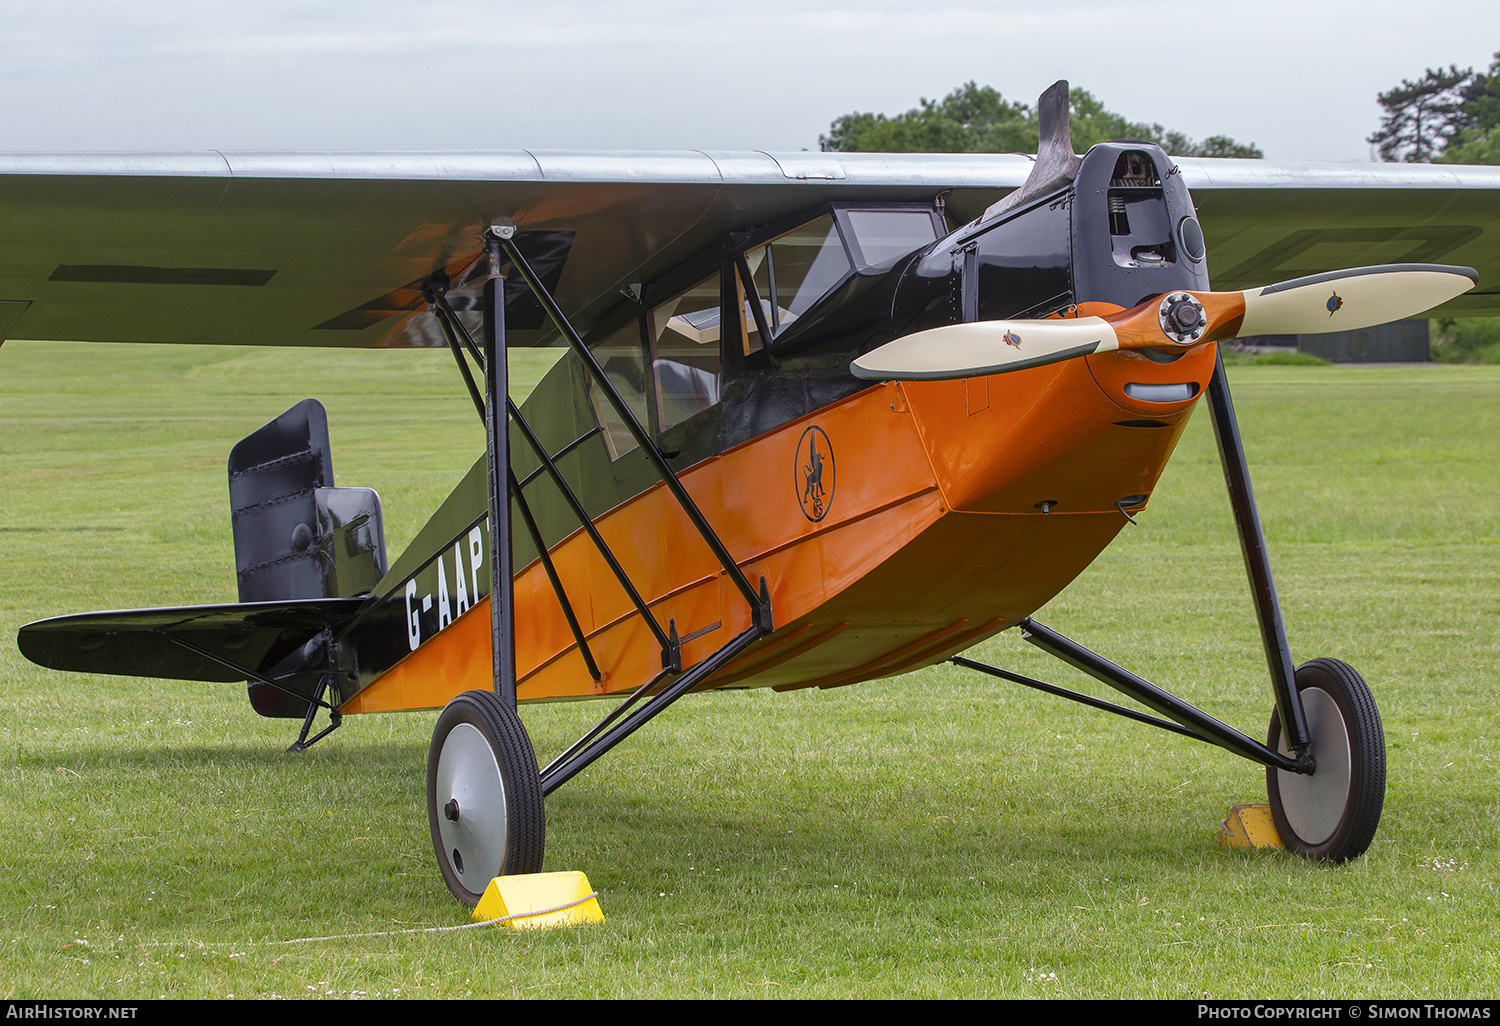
[468, 775]
[1314, 804]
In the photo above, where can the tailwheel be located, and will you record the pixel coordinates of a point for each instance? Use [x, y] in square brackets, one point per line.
[1332, 813]
[484, 795]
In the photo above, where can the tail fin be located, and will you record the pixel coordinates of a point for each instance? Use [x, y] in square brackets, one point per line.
[295, 535]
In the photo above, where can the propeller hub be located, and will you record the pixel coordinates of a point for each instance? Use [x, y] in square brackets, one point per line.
[1182, 317]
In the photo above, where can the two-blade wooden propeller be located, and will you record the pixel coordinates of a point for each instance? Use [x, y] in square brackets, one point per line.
[1337, 301]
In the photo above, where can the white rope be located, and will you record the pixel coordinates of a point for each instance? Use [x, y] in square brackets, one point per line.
[421, 929]
[444, 929]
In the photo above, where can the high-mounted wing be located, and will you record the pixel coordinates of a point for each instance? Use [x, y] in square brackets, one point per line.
[332, 249]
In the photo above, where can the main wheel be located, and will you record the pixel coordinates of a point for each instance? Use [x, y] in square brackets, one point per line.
[1332, 813]
[484, 795]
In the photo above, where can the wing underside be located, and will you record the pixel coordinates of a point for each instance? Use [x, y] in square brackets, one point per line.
[331, 250]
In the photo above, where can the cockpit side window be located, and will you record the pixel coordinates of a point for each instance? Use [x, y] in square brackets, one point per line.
[793, 271]
[623, 359]
[684, 334]
[881, 237]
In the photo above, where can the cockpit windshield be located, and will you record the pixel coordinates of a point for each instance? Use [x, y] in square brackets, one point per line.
[795, 270]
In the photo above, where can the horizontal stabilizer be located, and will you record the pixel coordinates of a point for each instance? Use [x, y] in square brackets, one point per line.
[140, 642]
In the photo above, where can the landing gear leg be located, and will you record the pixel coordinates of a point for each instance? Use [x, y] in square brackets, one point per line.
[1325, 716]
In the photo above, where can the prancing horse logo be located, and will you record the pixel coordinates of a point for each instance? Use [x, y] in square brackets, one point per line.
[814, 474]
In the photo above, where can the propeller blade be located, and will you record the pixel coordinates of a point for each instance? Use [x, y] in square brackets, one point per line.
[984, 347]
[1360, 297]
[1337, 301]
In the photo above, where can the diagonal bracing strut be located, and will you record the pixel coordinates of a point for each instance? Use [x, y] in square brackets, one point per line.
[672, 683]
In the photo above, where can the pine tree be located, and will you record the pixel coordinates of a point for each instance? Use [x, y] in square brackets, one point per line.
[1478, 141]
[1422, 117]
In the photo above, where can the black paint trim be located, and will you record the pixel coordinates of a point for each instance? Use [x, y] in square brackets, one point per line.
[133, 274]
[1359, 272]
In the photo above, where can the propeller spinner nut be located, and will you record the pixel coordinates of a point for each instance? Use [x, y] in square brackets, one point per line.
[1182, 317]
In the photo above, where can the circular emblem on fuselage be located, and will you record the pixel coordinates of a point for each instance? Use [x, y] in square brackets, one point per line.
[813, 473]
[1334, 302]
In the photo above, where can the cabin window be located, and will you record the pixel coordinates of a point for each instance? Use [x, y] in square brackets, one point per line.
[882, 237]
[624, 363]
[684, 335]
[794, 271]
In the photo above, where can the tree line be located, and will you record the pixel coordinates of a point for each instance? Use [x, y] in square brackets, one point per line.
[977, 119]
[1448, 115]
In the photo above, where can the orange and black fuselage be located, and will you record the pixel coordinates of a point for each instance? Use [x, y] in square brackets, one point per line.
[893, 524]
[950, 511]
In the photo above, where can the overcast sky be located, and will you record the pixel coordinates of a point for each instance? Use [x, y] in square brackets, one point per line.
[1298, 77]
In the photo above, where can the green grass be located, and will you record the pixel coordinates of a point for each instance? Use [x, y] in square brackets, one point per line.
[935, 835]
[1293, 358]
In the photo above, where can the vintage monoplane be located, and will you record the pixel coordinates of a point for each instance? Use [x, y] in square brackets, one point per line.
[823, 418]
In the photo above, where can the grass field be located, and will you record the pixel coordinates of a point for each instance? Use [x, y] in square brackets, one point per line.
[935, 835]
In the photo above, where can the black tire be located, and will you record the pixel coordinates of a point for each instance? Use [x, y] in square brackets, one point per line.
[484, 795]
[1333, 813]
